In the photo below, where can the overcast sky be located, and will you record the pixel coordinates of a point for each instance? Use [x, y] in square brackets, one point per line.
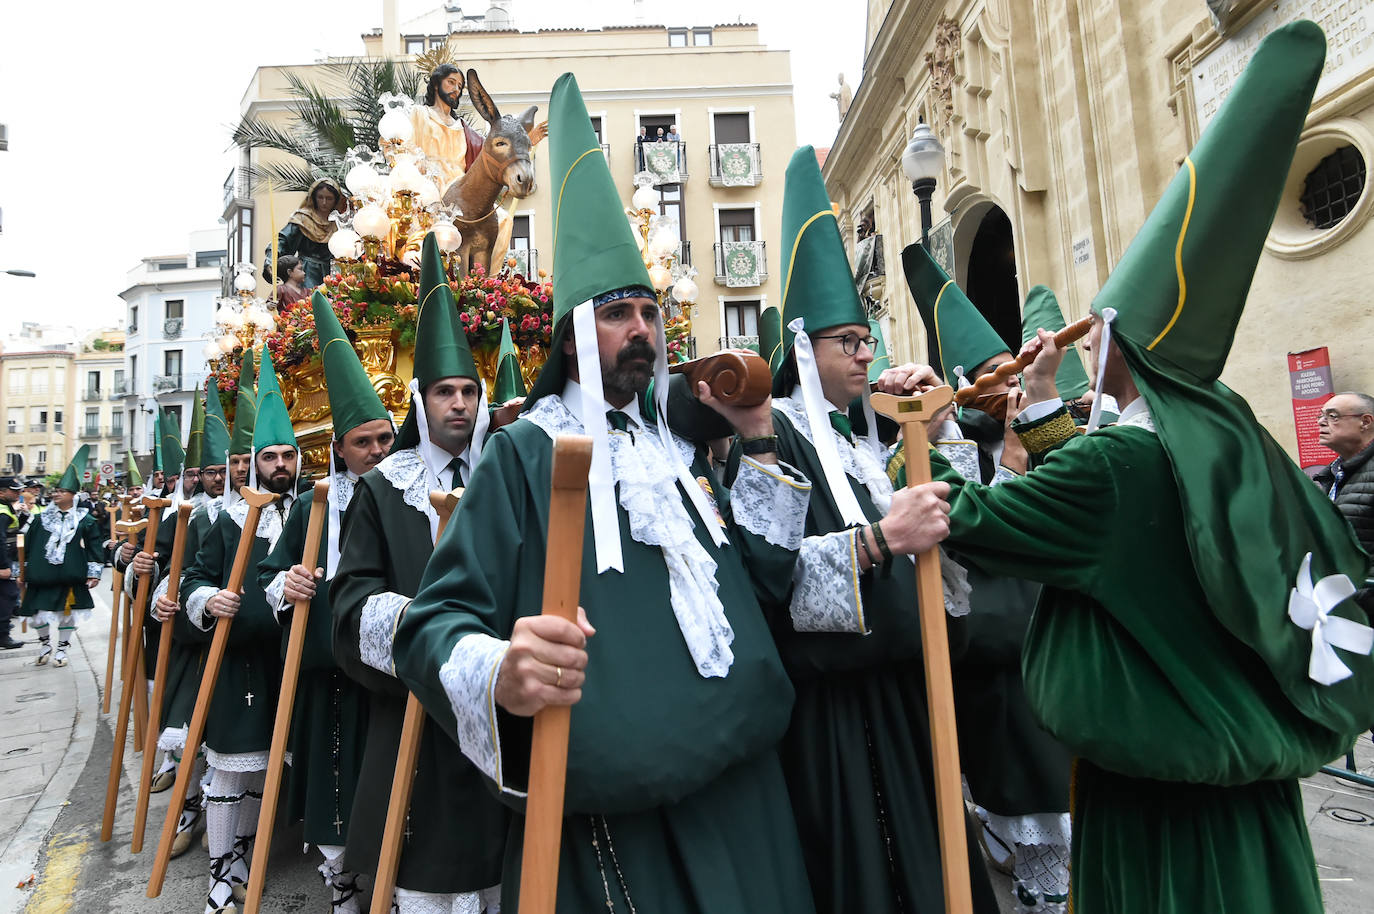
[119, 116]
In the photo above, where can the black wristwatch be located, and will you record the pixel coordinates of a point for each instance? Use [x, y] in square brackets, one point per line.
[764, 444]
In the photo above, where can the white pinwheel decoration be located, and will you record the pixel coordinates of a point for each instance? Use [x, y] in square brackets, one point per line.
[1310, 605]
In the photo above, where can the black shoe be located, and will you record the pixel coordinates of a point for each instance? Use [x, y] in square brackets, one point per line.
[9, 644]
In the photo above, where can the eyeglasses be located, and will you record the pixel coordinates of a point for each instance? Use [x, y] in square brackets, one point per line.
[849, 342]
[1330, 415]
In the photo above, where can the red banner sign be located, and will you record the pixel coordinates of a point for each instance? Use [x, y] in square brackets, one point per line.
[1309, 374]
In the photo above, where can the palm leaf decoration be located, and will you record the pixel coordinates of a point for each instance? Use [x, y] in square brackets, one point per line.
[327, 119]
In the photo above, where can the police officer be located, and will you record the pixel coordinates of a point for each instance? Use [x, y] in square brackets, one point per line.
[10, 524]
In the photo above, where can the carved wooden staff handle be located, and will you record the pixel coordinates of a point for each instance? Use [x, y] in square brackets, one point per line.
[736, 376]
[1070, 334]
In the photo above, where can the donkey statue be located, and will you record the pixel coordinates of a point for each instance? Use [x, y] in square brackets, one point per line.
[504, 162]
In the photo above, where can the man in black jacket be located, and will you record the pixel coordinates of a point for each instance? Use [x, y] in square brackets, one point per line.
[1346, 425]
[12, 518]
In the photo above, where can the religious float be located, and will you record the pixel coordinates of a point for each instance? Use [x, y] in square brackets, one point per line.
[360, 227]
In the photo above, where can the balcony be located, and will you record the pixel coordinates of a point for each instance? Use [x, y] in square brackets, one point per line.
[92, 393]
[38, 427]
[165, 382]
[684, 253]
[526, 261]
[91, 431]
[738, 342]
[667, 162]
[132, 331]
[40, 469]
[171, 328]
[735, 165]
[120, 390]
[117, 431]
[741, 264]
[238, 186]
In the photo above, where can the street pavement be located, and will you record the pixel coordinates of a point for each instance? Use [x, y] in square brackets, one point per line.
[55, 748]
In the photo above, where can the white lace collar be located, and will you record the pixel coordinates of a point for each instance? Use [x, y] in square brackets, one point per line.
[647, 484]
[1137, 414]
[61, 530]
[857, 458]
[269, 520]
[406, 472]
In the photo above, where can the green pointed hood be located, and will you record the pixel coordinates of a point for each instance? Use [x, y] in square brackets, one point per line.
[817, 279]
[594, 249]
[352, 398]
[1178, 292]
[770, 338]
[245, 408]
[1041, 312]
[132, 476]
[509, 382]
[957, 334]
[195, 440]
[71, 476]
[881, 360]
[272, 426]
[157, 440]
[215, 446]
[173, 454]
[441, 343]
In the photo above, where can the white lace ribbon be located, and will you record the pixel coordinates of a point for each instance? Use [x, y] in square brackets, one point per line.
[61, 530]
[1095, 415]
[818, 417]
[1310, 605]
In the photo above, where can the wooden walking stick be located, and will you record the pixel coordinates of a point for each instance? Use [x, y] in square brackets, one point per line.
[407, 755]
[281, 728]
[913, 414]
[116, 605]
[132, 683]
[164, 649]
[572, 457]
[195, 730]
[23, 591]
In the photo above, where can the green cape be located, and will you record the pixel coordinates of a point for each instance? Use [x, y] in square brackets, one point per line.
[594, 250]
[441, 344]
[770, 337]
[132, 476]
[881, 360]
[195, 440]
[817, 280]
[958, 335]
[71, 476]
[509, 382]
[272, 426]
[245, 408]
[215, 447]
[157, 439]
[1041, 312]
[173, 454]
[1178, 293]
[352, 398]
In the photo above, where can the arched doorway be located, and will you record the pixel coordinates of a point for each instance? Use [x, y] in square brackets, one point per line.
[990, 274]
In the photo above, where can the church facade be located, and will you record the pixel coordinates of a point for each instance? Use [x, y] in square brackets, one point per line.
[1062, 122]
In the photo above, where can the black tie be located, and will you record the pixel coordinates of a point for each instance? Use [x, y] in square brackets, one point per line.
[840, 422]
[454, 466]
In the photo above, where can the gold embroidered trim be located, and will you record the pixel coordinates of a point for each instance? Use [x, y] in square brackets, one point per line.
[1051, 433]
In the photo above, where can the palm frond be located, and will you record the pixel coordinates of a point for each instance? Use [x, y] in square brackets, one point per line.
[324, 117]
[285, 176]
[253, 133]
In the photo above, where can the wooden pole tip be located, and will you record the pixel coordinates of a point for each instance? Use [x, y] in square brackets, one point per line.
[917, 408]
[572, 459]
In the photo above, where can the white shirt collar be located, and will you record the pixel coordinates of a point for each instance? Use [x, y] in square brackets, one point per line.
[572, 397]
[1137, 410]
[439, 457]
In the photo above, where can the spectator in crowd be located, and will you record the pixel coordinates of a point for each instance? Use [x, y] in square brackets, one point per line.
[1346, 425]
[660, 138]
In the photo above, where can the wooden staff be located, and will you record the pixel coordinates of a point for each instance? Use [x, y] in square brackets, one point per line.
[965, 396]
[164, 650]
[121, 729]
[281, 728]
[116, 604]
[913, 414]
[407, 756]
[572, 456]
[195, 731]
[23, 591]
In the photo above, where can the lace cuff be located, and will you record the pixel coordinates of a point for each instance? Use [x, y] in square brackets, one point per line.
[1002, 475]
[963, 456]
[276, 595]
[469, 679]
[195, 608]
[377, 630]
[94, 569]
[159, 591]
[770, 502]
[825, 585]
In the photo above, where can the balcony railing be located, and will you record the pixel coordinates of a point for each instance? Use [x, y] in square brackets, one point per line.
[38, 427]
[684, 253]
[171, 328]
[91, 431]
[132, 331]
[120, 390]
[735, 165]
[741, 264]
[40, 469]
[92, 393]
[165, 382]
[116, 431]
[238, 186]
[666, 161]
[739, 342]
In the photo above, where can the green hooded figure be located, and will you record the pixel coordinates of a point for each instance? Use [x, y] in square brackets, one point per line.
[173, 455]
[157, 440]
[272, 424]
[1041, 312]
[1195, 645]
[65, 555]
[215, 444]
[132, 477]
[509, 382]
[71, 476]
[959, 338]
[195, 439]
[352, 398]
[245, 408]
[770, 338]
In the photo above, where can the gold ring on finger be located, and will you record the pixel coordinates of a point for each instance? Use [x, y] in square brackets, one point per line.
[558, 683]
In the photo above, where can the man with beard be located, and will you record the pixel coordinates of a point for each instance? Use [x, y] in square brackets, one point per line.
[238, 731]
[453, 849]
[674, 801]
[64, 558]
[445, 138]
[329, 718]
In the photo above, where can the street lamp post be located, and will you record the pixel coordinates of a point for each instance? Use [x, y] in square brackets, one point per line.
[922, 161]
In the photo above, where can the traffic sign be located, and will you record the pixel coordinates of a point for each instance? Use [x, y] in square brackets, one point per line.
[86, 475]
[107, 469]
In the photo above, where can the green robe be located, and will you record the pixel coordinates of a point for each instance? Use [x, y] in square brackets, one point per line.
[48, 586]
[1185, 795]
[329, 715]
[857, 751]
[245, 701]
[675, 772]
[455, 842]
